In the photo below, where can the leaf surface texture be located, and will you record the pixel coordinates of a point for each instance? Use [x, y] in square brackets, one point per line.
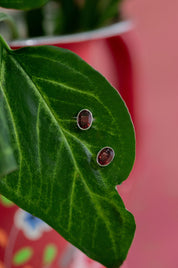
[58, 179]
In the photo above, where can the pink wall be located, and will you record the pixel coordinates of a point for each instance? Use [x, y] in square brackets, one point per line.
[152, 189]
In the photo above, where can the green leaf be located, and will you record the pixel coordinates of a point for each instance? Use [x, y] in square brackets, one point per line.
[49, 254]
[89, 15]
[96, 13]
[6, 18]
[34, 20]
[69, 14]
[109, 10]
[22, 256]
[59, 179]
[7, 160]
[22, 4]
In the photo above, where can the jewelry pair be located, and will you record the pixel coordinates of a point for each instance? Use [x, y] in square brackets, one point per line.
[84, 122]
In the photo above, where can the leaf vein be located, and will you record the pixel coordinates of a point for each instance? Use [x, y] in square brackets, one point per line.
[71, 201]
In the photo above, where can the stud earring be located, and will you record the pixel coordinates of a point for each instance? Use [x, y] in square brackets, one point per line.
[105, 156]
[84, 119]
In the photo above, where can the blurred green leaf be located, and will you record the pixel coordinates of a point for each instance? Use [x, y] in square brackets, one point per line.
[34, 20]
[6, 18]
[109, 11]
[97, 13]
[7, 160]
[69, 16]
[22, 4]
[89, 15]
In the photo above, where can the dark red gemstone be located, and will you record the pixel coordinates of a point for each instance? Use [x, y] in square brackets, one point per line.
[84, 119]
[105, 156]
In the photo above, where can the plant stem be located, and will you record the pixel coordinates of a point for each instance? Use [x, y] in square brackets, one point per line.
[34, 20]
[89, 16]
[4, 17]
[69, 16]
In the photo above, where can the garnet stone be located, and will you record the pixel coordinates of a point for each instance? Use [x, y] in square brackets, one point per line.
[84, 119]
[105, 156]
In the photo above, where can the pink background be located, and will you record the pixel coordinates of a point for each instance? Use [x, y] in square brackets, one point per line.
[151, 192]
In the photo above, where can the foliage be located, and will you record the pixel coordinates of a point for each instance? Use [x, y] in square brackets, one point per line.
[58, 178]
[22, 4]
[7, 160]
[65, 16]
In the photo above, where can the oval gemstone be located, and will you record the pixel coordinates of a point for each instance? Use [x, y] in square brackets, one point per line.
[84, 119]
[105, 156]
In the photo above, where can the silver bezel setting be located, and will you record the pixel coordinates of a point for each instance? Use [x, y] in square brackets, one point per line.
[100, 152]
[91, 119]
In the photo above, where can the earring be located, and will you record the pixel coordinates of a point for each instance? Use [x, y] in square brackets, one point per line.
[84, 119]
[105, 156]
